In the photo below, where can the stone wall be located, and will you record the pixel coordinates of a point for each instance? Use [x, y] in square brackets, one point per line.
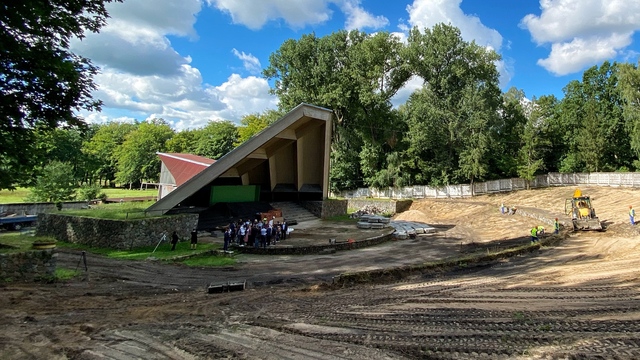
[387, 235]
[314, 207]
[29, 265]
[387, 206]
[331, 208]
[115, 234]
[37, 208]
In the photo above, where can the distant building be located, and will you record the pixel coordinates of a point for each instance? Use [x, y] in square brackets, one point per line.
[177, 168]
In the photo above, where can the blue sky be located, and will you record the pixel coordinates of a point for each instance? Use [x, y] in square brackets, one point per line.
[195, 61]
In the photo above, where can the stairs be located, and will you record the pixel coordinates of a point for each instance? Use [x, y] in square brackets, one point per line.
[293, 212]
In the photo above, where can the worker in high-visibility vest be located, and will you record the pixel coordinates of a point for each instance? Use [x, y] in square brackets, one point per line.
[534, 235]
[632, 215]
[556, 226]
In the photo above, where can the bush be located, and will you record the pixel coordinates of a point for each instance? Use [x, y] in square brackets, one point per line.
[90, 192]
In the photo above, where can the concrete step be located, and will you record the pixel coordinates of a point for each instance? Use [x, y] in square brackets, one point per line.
[293, 211]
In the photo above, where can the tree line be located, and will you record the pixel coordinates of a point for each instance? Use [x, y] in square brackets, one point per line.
[458, 127]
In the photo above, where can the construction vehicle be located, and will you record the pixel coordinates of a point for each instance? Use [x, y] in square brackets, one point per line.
[583, 215]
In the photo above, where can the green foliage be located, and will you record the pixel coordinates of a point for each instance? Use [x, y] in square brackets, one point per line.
[183, 142]
[91, 192]
[102, 148]
[254, 123]
[356, 75]
[137, 159]
[55, 184]
[630, 95]
[42, 83]
[450, 118]
[216, 139]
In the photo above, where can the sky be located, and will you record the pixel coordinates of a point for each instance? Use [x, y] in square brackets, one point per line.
[194, 61]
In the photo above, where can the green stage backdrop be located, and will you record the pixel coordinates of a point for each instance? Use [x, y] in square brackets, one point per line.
[235, 193]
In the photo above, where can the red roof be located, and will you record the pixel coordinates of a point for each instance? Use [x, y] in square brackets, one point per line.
[184, 166]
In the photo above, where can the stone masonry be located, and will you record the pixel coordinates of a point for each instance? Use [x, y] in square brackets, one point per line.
[115, 234]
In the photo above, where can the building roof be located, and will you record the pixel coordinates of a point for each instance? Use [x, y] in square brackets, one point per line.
[281, 133]
[184, 166]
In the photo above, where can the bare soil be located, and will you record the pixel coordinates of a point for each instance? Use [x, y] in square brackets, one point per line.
[579, 299]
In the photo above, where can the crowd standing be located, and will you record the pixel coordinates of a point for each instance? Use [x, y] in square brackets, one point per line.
[257, 233]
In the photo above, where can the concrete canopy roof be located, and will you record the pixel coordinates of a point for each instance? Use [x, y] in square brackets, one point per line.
[297, 123]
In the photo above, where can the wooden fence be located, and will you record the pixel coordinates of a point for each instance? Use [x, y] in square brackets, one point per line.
[624, 179]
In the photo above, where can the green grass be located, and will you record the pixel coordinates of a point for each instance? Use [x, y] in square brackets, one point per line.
[19, 195]
[18, 242]
[13, 196]
[210, 261]
[66, 274]
[142, 253]
[342, 218]
[115, 211]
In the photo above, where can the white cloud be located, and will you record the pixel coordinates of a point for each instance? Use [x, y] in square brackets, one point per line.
[427, 13]
[582, 32]
[250, 62]
[142, 75]
[297, 14]
[358, 18]
[569, 57]
[242, 96]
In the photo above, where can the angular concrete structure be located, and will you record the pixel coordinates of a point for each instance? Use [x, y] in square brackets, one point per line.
[287, 161]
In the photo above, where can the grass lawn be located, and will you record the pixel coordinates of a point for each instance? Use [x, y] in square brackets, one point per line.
[19, 195]
[115, 211]
[209, 261]
[12, 242]
[163, 252]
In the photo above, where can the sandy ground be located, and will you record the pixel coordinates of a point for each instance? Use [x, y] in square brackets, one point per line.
[578, 299]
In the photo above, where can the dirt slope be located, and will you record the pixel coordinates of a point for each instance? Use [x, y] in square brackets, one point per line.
[580, 299]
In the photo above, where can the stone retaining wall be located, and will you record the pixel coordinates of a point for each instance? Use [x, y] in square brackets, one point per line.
[37, 208]
[115, 234]
[315, 249]
[331, 208]
[29, 265]
[391, 207]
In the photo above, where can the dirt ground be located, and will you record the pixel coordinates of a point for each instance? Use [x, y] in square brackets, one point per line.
[579, 299]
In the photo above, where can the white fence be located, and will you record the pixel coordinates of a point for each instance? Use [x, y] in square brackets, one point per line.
[626, 179]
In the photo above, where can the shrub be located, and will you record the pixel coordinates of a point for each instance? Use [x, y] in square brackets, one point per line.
[89, 192]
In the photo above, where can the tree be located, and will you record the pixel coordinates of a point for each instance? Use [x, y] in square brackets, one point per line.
[356, 75]
[530, 159]
[55, 184]
[508, 132]
[41, 82]
[183, 142]
[630, 94]
[216, 139]
[102, 148]
[137, 159]
[450, 118]
[254, 123]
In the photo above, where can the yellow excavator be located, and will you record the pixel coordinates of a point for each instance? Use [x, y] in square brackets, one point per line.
[583, 215]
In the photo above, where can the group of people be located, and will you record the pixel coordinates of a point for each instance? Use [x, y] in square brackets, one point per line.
[507, 210]
[257, 233]
[537, 231]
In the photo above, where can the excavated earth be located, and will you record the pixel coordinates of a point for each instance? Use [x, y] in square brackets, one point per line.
[576, 299]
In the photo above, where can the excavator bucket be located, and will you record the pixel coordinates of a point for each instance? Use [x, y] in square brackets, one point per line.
[587, 224]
